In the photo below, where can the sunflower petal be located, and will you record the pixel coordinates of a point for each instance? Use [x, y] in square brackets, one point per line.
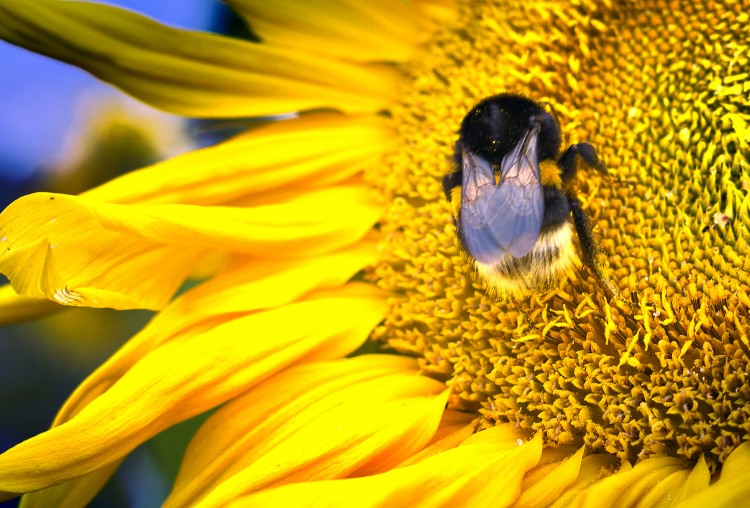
[731, 489]
[365, 31]
[83, 252]
[592, 469]
[698, 479]
[283, 430]
[629, 485]
[191, 73]
[662, 494]
[435, 13]
[544, 484]
[320, 148]
[452, 421]
[15, 308]
[250, 287]
[455, 428]
[505, 434]
[184, 378]
[480, 472]
[73, 494]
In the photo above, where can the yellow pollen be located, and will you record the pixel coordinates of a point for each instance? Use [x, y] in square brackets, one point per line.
[662, 91]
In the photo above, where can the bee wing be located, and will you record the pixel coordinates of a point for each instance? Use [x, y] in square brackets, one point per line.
[505, 217]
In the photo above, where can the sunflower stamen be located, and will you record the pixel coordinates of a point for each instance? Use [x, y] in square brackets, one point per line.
[655, 371]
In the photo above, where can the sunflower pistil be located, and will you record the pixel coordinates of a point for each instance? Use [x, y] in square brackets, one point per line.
[661, 90]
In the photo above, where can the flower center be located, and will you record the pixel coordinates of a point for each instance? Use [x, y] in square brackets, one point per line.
[661, 91]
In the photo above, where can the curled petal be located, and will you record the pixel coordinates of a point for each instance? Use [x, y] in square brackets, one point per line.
[191, 73]
[184, 378]
[87, 253]
[250, 287]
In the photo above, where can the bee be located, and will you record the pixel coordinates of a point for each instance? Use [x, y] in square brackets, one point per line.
[512, 197]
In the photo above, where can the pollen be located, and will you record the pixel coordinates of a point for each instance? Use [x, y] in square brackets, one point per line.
[660, 89]
[67, 297]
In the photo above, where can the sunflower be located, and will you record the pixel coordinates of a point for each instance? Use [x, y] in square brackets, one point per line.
[316, 234]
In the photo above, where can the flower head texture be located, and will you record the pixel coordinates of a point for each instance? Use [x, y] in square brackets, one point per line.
[314, 234]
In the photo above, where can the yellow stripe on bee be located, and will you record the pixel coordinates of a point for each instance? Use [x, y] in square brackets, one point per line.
[455, 200]
[549, 172]
[540, 271]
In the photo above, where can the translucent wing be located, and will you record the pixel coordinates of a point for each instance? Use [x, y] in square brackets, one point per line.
[504, 217]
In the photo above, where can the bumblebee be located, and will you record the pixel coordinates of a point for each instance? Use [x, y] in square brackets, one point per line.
[512, 196]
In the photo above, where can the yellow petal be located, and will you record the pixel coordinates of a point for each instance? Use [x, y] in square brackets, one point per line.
[452, 421]
[388, 30]
[180, 379]
[320, 148]
[732, 489]
[593, 468]
[436, 13]
[626, 488]
[83, 252]
[312, 422]
[191, 73]
[544, 484]
[697, 480]
[505, 435]
[480, 472]
[15, 308]
[662, 494]
[211, 440]
[250, 287]
[73, 494]
[455, 427]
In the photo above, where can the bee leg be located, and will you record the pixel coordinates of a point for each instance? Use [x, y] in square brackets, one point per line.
[588, 154]
[451, 181]
[589, 247]
[569, 160]
[457, 151]
[585, 232]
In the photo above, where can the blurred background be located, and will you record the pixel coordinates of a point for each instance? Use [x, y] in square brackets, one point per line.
[61, 130]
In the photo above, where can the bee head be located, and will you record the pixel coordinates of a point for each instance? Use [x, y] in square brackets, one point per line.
[495, 126]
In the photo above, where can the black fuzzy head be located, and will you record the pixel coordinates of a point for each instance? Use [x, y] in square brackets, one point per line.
[495, 126]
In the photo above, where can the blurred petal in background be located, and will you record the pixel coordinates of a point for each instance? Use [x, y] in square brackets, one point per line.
[62, 130]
